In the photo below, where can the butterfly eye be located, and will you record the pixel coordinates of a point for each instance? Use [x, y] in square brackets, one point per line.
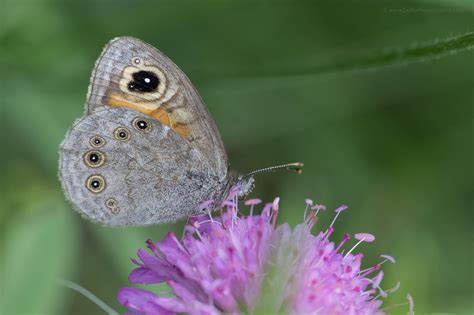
[97, 141]
[94, 158]
[122, 134]
[141, 124]
[144, 82]
[95, 183]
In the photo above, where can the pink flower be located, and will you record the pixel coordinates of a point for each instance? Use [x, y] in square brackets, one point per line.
[247, 264]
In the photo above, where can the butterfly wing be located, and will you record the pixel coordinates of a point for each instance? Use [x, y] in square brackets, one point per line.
[133, 74]
[114, 176]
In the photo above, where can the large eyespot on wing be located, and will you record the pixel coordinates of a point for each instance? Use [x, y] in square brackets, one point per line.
[133, 74]
[119, 167]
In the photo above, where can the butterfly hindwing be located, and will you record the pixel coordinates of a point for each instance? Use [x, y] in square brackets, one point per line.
[120, 167]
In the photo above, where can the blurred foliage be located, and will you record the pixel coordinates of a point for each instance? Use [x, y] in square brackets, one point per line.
[395, 143]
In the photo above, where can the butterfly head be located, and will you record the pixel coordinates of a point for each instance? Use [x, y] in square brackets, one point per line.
[246, 184]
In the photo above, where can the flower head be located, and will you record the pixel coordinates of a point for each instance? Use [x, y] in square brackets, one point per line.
[248, 264]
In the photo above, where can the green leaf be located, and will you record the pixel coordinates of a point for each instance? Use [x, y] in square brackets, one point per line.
[38, 251]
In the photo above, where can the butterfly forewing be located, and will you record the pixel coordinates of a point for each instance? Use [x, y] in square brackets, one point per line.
[132, 74]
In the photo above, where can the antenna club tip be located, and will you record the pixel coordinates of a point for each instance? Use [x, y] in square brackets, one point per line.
[297, 167]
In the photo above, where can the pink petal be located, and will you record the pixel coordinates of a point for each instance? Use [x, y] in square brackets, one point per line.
[221, 293]
[140, 300]
[181, 291]
[161, 268]
[171, 248]
[145, 276]
[172, 304]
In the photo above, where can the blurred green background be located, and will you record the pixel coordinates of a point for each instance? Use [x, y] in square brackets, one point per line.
[395, 143]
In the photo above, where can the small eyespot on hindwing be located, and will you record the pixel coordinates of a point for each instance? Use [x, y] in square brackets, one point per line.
[97, 141]
[112, 204]
[122, 134]
[95, 183]
[94, 158]
[141, 124]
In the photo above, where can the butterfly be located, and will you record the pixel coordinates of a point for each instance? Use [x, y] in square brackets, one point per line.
[146, 150]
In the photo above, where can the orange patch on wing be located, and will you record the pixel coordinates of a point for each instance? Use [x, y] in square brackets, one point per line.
[116, 101]
[159, 114]
[164, 117]
[181, 129]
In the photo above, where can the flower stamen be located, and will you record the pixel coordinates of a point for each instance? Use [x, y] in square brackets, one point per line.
[362, 237]
[340, 209]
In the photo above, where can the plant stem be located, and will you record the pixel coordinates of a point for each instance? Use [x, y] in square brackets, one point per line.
[417, 52]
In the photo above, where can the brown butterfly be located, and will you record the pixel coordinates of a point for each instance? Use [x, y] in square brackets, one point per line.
[147, 150]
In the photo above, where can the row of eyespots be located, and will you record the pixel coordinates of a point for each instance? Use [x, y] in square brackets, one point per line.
[94, 158]
[123, 134]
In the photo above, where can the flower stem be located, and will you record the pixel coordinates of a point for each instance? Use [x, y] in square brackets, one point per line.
[86, 293]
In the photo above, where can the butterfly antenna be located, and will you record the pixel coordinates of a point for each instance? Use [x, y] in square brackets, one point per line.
[295, 167]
